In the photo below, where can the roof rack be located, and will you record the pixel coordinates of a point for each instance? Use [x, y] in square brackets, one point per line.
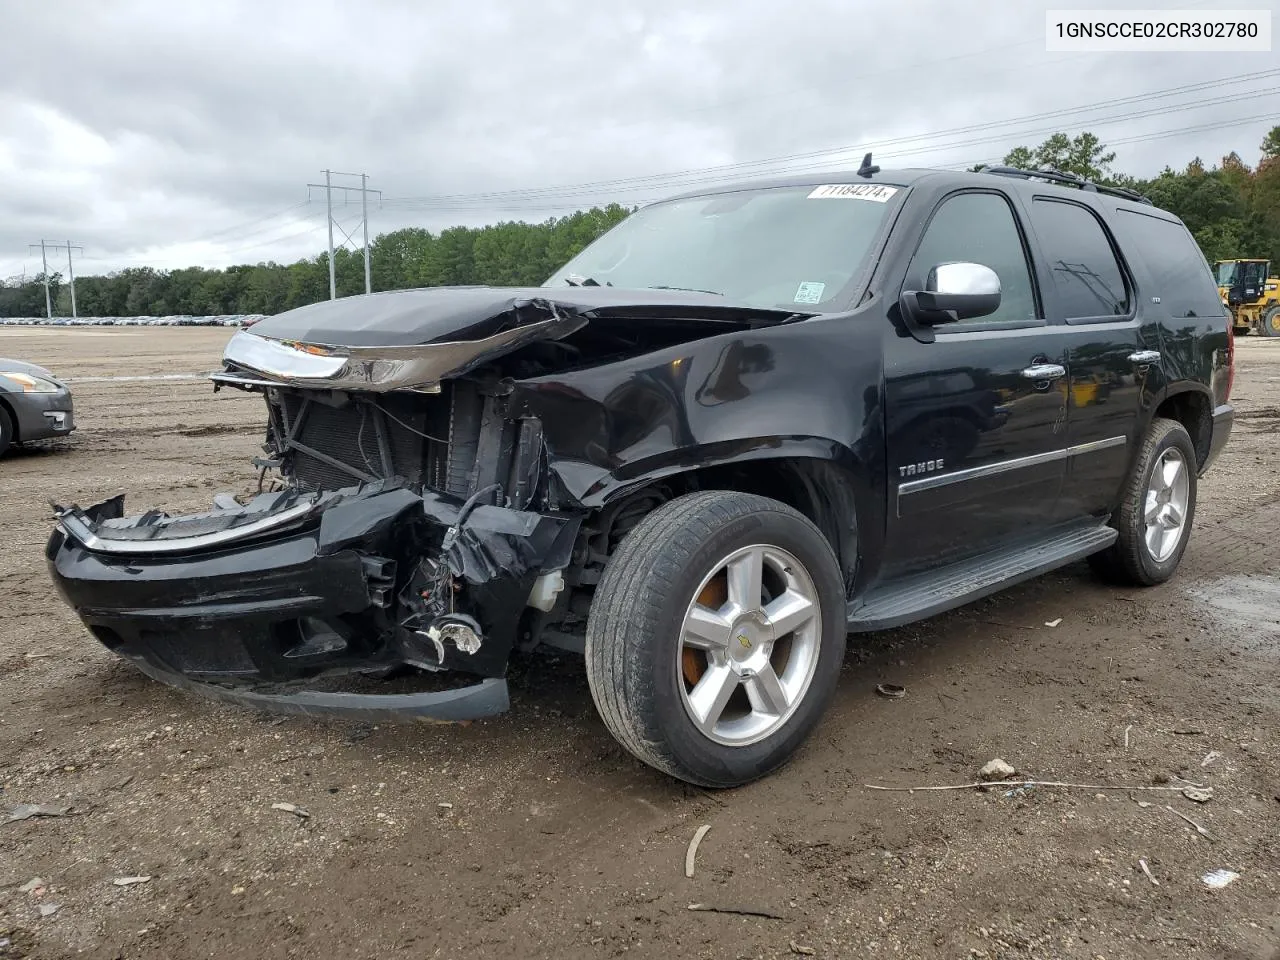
[1070, 179]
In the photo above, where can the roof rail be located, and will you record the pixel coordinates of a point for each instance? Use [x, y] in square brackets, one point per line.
[1070, 179]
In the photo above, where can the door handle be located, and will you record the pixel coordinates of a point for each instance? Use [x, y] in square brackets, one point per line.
[1045, 371]
[1145, 356]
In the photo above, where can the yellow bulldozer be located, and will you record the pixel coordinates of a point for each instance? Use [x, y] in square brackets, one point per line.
[1251, 294]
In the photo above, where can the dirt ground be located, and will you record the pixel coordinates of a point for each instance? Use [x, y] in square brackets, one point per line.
[534, 835]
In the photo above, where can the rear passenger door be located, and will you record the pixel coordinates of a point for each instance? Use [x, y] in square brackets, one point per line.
[1112, 348]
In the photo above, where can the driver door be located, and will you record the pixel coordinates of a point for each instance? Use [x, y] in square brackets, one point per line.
[976, 419]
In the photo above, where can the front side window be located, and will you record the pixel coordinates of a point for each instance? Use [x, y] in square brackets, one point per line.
[980, 228]
[1086, 273]
[789, 247]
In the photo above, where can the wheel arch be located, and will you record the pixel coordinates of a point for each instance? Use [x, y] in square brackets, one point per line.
[7, 407]
[1192, 406]
[824, 481]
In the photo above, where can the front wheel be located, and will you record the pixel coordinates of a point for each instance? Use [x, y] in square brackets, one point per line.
[716, 637]
[1156, 510]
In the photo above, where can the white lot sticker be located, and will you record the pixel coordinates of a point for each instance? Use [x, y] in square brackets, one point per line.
[810, 291]
[876, 192]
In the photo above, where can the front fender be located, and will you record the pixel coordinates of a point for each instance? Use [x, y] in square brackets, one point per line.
[801, 390]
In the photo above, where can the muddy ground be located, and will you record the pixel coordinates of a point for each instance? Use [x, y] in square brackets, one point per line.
[533, 835]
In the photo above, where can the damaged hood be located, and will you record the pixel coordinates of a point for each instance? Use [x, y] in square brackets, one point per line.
[411, 339]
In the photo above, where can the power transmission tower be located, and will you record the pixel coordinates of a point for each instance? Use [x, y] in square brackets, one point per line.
[329, 186]
[45, 246]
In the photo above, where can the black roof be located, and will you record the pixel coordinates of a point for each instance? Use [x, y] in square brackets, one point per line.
[1050, 181]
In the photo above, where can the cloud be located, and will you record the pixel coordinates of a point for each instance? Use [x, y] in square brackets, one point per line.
[153, 132]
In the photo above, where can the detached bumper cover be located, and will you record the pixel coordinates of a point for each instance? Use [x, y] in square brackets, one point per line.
[264, 604]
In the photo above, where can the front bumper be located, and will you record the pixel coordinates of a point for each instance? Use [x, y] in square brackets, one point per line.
[1222, 420]
[43, 416]
[271, 604]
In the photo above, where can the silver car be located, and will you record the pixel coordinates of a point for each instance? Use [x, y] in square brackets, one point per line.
[33, 405]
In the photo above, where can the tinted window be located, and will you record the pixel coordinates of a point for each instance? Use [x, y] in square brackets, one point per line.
[980, 228]
[1088, 278]
[1180, 274]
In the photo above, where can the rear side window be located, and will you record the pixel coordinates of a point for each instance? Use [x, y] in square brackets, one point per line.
[1087, 276]
[1181, 275]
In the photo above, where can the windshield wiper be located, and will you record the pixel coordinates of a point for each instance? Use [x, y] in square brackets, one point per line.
[574, 280]
[659, 286]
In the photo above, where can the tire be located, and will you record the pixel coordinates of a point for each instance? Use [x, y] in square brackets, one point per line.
[1133, 560]
[1269, 322]
[6, 431]
[641, 667]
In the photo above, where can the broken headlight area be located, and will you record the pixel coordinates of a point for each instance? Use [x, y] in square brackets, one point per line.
[270, 602]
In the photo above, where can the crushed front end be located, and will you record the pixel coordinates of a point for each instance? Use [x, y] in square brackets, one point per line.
[399, 528]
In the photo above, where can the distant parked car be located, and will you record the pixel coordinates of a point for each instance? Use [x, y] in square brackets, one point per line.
[33, 405]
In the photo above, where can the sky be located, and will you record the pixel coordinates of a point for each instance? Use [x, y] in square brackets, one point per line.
[150, 132]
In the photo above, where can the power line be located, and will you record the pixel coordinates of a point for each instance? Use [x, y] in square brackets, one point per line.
[45, 246]
[364, 191]
[703, 174]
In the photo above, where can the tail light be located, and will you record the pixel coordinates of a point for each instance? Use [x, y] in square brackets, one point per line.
[1231, 357]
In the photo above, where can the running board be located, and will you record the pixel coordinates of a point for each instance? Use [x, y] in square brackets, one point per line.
[926, 594]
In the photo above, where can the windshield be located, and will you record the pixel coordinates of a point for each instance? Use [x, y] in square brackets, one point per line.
[793, 247]
[1227, 273]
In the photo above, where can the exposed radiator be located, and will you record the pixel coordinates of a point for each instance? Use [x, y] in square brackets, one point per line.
[422, 438]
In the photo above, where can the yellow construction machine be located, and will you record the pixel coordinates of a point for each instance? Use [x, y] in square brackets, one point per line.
[1251, 294]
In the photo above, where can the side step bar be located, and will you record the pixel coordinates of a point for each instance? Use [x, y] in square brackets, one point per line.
[935, 591]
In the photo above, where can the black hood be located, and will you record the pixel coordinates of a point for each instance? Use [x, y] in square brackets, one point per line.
[441, 314]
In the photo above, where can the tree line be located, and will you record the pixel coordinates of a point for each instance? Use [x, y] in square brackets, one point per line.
[1232, 209]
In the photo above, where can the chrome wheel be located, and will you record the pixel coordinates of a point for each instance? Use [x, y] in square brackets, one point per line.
[1165, 508]
[749, 645]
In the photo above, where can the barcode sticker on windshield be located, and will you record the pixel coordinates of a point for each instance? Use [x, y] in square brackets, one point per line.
[810, 291]
[875, 192]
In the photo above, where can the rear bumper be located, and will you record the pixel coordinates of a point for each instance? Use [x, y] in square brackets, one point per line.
[365, 582]
[42, 416]
[1222, 420]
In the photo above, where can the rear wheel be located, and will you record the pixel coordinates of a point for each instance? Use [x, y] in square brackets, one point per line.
[6, 431]
[1156, 510]
[716, 637]
[1269, 324]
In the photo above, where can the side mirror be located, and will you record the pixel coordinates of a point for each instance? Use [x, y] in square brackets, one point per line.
[954, 291]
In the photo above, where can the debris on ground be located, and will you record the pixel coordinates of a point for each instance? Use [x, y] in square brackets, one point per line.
[802, 950]
[34, 885]
[741, 911]
[26, 811]
[1198, 794]
[130, 881]
[1198, 828]
[987, 784]
[693, 848]
[1217, 879]
[1147, 871]
[1209, 757]
[997, 769]
[1053, 623]
[49, 909]
[291, 808]
[891, 690]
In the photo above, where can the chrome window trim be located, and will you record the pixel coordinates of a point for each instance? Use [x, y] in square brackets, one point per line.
[1005, 466]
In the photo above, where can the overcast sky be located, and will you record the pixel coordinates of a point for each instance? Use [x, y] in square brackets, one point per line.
[154, 132]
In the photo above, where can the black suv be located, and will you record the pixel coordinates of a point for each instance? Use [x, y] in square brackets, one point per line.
[739, 426]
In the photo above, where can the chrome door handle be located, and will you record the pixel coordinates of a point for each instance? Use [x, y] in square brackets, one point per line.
[1145, 356]
[1045, 371]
